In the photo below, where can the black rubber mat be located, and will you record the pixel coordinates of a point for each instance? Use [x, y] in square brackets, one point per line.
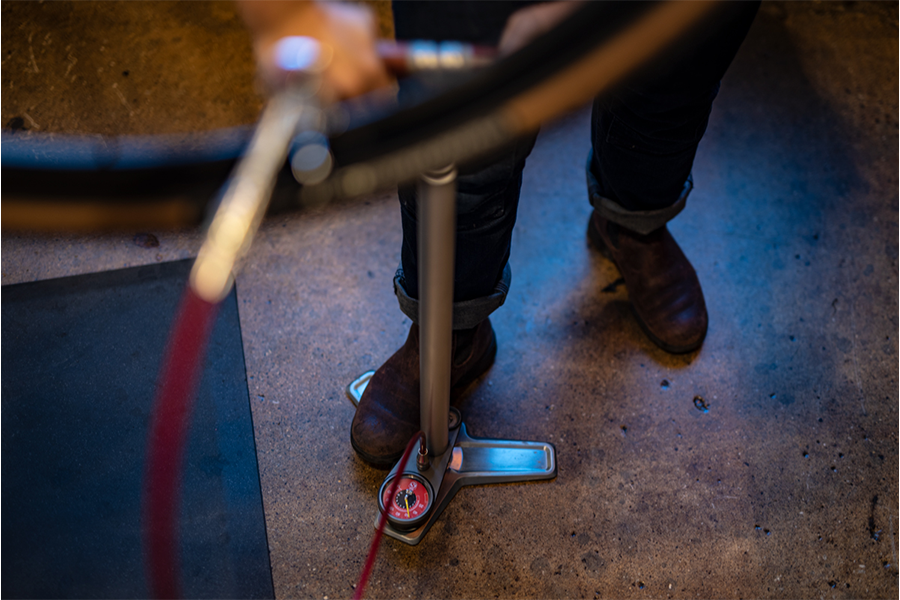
[80, 357]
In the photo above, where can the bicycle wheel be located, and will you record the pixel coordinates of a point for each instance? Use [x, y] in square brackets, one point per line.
[56, 182]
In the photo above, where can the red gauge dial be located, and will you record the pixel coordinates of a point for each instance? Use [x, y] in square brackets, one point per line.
[411, 502]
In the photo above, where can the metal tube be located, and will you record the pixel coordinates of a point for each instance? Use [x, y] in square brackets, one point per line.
[245, 199]
[437, 247]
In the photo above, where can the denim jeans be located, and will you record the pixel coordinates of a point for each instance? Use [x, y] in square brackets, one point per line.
[644, 137]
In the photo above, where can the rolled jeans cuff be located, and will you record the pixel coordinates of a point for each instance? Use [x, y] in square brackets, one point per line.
[466, 314]
[639, 221]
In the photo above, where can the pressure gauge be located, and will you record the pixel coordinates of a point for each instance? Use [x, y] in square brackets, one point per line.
[411, 503]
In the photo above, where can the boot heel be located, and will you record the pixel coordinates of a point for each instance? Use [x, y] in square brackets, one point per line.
[596, 239]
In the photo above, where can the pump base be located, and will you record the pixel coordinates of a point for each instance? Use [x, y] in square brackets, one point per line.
[475, 461]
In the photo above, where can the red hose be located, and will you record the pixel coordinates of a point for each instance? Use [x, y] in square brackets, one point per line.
[170, 421]
[373, 549]
[179, 375]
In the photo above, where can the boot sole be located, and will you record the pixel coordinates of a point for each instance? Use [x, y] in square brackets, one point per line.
[597, 242]
[456, 392]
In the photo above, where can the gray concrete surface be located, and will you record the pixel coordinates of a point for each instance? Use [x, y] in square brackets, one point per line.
[785, 488]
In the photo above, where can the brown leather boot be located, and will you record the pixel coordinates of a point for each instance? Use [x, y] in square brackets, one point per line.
[388, 412]
[662, 285]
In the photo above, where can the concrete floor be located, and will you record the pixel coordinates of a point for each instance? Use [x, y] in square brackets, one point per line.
[785, 488]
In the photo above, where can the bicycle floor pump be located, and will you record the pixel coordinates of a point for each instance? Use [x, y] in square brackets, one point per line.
[454, 459]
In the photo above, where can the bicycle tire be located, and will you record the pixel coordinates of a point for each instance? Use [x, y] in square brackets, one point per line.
[57, 182]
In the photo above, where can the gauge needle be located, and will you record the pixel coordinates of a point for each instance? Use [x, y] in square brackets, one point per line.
[406, 502]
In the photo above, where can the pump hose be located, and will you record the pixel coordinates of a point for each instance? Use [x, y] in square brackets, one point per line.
[382, 521]
[178, 379]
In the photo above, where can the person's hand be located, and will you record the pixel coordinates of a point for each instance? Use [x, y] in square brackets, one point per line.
[528, 23]
[347, 34]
